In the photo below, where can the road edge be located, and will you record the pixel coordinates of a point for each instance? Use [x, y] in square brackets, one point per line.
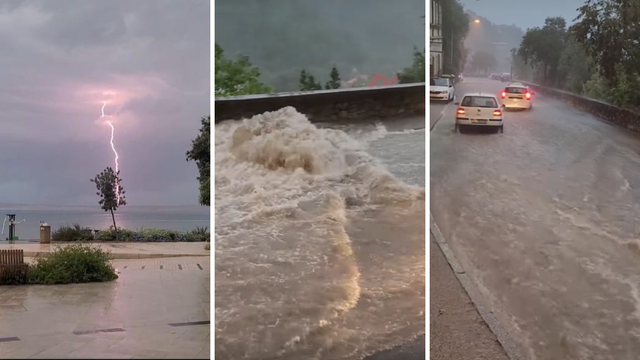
[478, 301]
[441, 115]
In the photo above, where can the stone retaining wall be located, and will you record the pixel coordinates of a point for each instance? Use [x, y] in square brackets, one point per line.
[611, 113]
[331, 105]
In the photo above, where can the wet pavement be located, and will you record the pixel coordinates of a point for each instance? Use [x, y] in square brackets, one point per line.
[158, 308]
[543, 220]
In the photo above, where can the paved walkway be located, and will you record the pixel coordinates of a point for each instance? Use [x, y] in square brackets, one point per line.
[121, 250]
[457, 329]
[158, 308]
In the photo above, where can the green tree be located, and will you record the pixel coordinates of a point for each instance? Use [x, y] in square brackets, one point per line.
[416, 73]
[544, 46]
[609, 31]
[111, 193]
[237, 77]
[455, 27]
[334, 82]
[308, 82]
[483, 61]
[200, 153]
[575, 67]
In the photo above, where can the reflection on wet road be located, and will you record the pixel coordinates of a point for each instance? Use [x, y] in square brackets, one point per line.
[544, 220]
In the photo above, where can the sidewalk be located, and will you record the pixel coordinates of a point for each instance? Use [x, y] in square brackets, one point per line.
[122, 250]
[457, 329]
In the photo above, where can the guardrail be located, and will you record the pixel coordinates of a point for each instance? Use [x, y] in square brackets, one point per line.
[616, 115]
[331, 105]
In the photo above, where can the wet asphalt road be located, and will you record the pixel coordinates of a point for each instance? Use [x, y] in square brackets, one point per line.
[544, 219]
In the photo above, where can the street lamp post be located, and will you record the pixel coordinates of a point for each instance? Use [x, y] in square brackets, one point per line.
[475, 21]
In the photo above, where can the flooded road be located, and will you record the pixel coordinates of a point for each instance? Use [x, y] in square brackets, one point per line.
[319, 237]
[544, 219]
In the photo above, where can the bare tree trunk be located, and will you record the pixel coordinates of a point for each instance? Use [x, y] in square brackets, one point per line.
[113, 217]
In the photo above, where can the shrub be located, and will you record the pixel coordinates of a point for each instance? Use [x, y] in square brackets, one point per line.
[110, 235]
[141, 235]
[72, 264]
[72, 233]
[202, 233]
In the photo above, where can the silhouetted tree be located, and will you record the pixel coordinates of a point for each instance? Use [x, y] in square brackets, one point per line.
[111, 193]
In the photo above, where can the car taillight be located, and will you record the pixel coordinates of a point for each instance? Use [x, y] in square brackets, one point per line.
[460, 111]
[497, 113]
[528, 95]
[504, 94]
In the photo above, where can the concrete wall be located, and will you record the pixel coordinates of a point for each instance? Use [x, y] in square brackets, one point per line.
[331, 105]
[611, 113]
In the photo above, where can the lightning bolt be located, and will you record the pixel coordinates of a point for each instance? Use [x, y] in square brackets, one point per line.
[113, 147]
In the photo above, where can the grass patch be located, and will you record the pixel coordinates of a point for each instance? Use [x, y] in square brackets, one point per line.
[71, 265]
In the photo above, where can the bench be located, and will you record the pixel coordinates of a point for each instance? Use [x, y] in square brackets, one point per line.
[13, 269]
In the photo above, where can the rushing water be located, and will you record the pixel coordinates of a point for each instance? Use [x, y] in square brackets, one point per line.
[319, 248]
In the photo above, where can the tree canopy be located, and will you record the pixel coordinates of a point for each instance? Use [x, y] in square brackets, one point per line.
[455, 27]
[609, 31]
[544, 46]
[416, 73]
[237, 77]
[109, 189]
[201, 153]
[598, 56]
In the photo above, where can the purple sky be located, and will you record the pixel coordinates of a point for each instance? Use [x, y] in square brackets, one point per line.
[149, 59]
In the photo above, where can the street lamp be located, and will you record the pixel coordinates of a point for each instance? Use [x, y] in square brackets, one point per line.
[476, 21]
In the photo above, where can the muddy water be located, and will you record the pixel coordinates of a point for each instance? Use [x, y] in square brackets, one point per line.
[319, 248]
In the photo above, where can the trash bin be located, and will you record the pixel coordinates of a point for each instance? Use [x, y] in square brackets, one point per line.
[45, 233]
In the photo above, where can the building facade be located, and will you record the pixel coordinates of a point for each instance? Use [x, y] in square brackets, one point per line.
[435, 39]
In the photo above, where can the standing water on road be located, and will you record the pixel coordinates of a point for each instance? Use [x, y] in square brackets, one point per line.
[319, 249]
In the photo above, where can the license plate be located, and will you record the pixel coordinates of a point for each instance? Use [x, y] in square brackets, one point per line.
[478, 121]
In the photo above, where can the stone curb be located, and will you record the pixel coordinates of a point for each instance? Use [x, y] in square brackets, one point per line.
[441, 116]
[478, 301]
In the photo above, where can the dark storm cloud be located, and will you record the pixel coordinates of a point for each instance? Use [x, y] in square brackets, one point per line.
[59, 60]
[522, 13]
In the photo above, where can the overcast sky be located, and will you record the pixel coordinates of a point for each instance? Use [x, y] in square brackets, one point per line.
[524, 13]
[149, 59]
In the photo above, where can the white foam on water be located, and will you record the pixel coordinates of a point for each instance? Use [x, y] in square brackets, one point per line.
[288, 194]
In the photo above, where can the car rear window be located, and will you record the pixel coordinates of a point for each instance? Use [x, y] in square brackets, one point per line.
[439, 82]
[515, 90]
[479, 101]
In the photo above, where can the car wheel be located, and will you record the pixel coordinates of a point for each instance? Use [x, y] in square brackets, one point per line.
[501, 129]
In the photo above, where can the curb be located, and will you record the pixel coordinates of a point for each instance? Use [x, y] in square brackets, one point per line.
[485, 312]
[441, 115]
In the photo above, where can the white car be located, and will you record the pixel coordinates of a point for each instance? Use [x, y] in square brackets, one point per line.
[517, 96]
[441, 89]
[479, 109]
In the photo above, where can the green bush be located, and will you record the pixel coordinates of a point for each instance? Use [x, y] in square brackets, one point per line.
[72, 264]
[72, 233]
[78, 233]
[110, 235]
